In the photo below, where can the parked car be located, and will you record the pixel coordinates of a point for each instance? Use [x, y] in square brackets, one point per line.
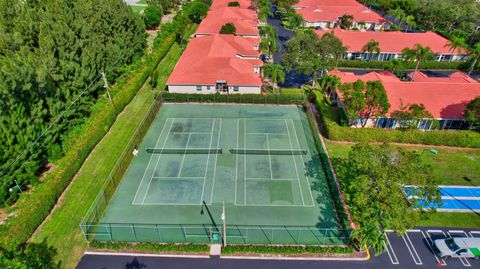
[265, 57]
[468, 247]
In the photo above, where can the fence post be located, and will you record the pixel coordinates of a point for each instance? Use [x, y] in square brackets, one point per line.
[158, 233]
[109, 229]
[133, 231]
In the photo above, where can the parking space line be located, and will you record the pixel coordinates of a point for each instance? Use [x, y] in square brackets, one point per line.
[430, 246]
[411, 248]
[462, 259]
[390, 250]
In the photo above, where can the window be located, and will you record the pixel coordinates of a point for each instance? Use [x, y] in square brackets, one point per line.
[199, 88]
[208, 88]
[235, 88]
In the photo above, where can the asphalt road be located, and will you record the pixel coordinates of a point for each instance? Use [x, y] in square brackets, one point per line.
[410, 251]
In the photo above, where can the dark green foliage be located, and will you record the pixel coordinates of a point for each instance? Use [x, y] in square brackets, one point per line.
[372, 179]
[406, 65]
[38, 256]
[234, 98]
[32, 209]
[228, 29]
[51, 54]
[286, 250]
[330, 118]
[472, 111]
[151, 247]
[233, 4]
[152, 16]
[196, 11]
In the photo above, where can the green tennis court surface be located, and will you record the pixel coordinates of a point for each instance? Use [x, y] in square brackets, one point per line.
[260, 160]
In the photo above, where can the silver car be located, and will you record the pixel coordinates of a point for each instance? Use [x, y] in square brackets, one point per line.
[467, 247]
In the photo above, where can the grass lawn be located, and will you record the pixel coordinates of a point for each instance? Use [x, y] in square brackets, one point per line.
[62, 228]
[142, 2]
[137, 9]
[450, 166]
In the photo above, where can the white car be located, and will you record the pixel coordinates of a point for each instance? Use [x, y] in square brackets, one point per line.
[456, 247]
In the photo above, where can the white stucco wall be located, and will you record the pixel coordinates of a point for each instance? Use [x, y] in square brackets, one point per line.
[193, 89]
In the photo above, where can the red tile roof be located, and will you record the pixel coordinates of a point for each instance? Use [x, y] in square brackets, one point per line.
[443, 100]
[245, 21]
[208, 59]
[331, 10]
[455, 77]
[224, 3]
[393, 42]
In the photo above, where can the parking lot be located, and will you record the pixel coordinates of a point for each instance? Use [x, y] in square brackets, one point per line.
[414, 249]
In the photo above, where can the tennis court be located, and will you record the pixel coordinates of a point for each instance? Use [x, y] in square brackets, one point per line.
[259, 160]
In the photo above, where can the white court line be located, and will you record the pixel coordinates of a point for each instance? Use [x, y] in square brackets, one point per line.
[208, 160]
[269, 158]
[295, 163]
[410, 248]
[190, 133]
[270, 179]
[156, 164]
[245, 160]
[429, 244]
[390, 251]
[216, 158]
[236, 162]
[462, 259]
[149, 161]
[184, 155]
[267, 134]
[303, 162]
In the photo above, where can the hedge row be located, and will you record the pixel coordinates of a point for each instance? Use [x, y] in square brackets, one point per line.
[332, 185]
[408, 65]
[151, 247]
[292, 250]
[33, 207]
[333, 131]
[292, 98]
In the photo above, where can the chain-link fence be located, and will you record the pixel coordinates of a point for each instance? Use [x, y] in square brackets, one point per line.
[287, 98]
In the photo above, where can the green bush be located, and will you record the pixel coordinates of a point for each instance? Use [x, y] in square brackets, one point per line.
[233, 4]
[152, 16]
[235, 98]
[287, 250]
[408, 65]
[333, 131]
[151, 247]
[32, 207]
[228, 29]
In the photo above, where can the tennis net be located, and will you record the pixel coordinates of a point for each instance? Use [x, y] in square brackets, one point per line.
[185, 151]
[269, 151]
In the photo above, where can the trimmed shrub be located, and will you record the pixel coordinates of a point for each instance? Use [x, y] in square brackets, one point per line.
[33, 207]
[292, 250]
[151, 247]
[234, 4]
[234, 98]
[333, 131]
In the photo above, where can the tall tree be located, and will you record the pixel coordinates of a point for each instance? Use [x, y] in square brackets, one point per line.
[472, 111]
[275, 73]
[376, 101]
[372, 177]
[417, 54]
[370, 47]
[329, 84]
[295, 21]
[410, 21]
[475, 56]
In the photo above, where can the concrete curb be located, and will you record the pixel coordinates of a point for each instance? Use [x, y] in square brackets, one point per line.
[294, 258]
[135, 254]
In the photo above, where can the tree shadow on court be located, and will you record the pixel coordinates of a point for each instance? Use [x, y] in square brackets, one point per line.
[328, 217]
[135, 264]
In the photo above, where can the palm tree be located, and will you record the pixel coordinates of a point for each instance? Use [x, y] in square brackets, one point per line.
[398, 14]
[317, 64]
[269, 33]
[346, 21]
[329, 83]
[275, 73]
[362, 24]
[418, 54]
[295, 21]
[370, 47]
[410, 21]
[475, 55]
[456, 44]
